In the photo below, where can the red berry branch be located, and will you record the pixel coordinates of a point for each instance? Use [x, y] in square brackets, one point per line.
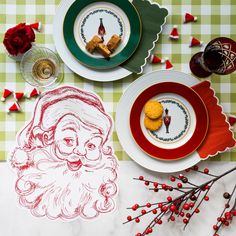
[186, 205]
[226, 216]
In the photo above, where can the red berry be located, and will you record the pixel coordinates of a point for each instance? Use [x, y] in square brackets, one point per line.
[135, 207]
[170, 188]
[228, 215]
[141, 177]
[138, 234]
[155, 184]
[206, 171]
[159, 222]
[197, 210]
[181, 176]
[195, 167]
[149, 230]
[191, 204]
[206, 187]
[169, 198]
[187, 170]
[188, 215]
[226, 195]
[154, 211]
[216, 235]
[234, 212]
[146, 183]
[179, 185]
[176, 212]
[185, 180]
[218, 219]
[185, 221]
[181, 214]
[222, 219]
[226, 223]
[226, 205]
[160, 205]
[172, 218]
[164, 208]
[172, 178]
[164, 186]
[186, 206]
[137, 220]
[206, 198]
[215, 227]
[172, 208]
[143, 212]
[148, 205]
[129, 218]
[155, 190]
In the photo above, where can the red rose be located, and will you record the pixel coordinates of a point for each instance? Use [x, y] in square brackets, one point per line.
[18, 39]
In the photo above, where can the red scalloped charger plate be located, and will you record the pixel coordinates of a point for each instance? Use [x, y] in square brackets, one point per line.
[201, 121]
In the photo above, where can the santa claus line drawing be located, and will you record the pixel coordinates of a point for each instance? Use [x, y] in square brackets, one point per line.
[65, 167]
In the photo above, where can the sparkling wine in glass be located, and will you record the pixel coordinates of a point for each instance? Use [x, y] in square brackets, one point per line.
[40, 67]
[219, 57]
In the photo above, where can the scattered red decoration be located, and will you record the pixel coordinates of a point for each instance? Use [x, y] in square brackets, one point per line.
[169, 66]
[18, 95]
[232, 120]
[154, 59]
[15, 107]
[34, 93]
[174, 33]
[36, 26]
[6, 93]
[195, 42]
[185, 205]
[189, 18]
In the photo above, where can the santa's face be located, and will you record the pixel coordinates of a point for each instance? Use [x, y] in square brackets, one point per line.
[77, 143]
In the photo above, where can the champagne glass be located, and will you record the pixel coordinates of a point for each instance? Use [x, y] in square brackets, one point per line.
[219, 57]
[40, 67]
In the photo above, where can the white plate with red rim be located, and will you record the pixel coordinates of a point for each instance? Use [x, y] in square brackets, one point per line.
[123, 116]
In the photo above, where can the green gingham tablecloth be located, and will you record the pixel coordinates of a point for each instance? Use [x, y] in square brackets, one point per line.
[215, 18]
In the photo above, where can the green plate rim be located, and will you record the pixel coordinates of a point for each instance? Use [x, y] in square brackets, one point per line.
[102, 63]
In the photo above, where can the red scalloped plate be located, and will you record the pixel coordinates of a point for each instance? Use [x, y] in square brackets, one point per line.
[188, 127]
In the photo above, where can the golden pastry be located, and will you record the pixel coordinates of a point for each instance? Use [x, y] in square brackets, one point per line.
[93, 43]
[152, 124]
[153, 109]
[113, 43]
[102, 49]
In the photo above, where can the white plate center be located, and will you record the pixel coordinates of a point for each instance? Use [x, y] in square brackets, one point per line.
[179, 122]
[103, 19]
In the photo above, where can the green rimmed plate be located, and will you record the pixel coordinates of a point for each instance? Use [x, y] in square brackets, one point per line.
[84, 19]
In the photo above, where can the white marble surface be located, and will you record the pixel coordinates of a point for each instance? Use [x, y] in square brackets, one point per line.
[16, 221]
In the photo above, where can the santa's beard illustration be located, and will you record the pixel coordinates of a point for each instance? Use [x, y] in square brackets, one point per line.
[65, 188]
[65, 167]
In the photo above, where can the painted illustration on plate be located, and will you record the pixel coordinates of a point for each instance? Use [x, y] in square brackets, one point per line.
[64, 164]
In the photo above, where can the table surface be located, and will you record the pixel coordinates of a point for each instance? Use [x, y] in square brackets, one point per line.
[215, 18]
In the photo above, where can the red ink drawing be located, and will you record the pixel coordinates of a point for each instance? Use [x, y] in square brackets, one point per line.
[65, 166]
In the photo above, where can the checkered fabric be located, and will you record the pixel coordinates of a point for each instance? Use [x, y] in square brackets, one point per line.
[215, 18]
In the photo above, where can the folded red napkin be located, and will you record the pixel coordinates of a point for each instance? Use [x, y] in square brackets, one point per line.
[219, 137]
